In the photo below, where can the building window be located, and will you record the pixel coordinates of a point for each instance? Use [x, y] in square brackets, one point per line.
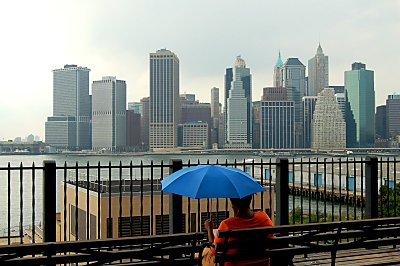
[133, 226]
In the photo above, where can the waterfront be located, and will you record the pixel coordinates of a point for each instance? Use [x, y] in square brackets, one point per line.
[21, 206]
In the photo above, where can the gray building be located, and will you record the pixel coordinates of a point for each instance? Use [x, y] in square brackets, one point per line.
[137, 107]
[144, 122]
[359, 86]
[238, 106]
[195, 111]
[318, 73]
[215, 115]
[308, 113]
[393, 115]
[164, 109]
[109, 114]
[292, 77]
[193, 135]
[380, 122]
[69, 127]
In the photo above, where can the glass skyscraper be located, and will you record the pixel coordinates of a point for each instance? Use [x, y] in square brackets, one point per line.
[164, 112]
[359, 86]
[69, 127]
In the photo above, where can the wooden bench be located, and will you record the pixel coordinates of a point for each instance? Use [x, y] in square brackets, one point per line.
[296, 244]
[176, 249]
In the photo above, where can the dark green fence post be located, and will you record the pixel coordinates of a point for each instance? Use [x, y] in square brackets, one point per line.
[49, 201]
[371, 187]
[282, 191]
[175, 203]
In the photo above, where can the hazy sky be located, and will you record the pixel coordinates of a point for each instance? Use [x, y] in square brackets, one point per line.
[116, 37]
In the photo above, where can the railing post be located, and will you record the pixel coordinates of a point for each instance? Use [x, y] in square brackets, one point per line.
[175, 203]
[371, 187]
[282, 191]
[49, 201]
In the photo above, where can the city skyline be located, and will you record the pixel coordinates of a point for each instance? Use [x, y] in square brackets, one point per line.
[46, 35]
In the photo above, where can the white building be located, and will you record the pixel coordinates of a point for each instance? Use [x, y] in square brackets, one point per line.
[238, 114]
[318, 72]
[164, 108]
[108, 114]
[329, 126]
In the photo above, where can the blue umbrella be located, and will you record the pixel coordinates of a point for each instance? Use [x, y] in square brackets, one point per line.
[211, 181]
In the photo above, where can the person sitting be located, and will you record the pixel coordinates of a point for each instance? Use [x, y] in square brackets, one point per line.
[243, 217]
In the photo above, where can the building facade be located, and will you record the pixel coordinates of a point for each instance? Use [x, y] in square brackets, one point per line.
[109, 114]
[238, 123]
[164, 114]
[393, 116]
[215, 115]
[318, 72]
[277, 125]
[133, 130]
[69, 127]
[328, 126]
[359, 86]
[193, 135]
[308, 113]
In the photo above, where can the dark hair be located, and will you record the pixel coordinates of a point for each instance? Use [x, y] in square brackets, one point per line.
[243, 203]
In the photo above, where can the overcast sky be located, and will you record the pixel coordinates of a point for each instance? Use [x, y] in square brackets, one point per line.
[116, 37]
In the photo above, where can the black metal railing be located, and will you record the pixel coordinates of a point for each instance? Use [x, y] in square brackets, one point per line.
[113, 200]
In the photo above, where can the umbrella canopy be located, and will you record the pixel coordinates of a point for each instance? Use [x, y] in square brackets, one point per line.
[211, 181]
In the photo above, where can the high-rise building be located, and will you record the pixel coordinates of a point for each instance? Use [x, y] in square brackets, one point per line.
[277, 125]
[133, 129]
[393, 115]
[308, 113]
[69, 127]
[195, 111]
[278, 72]
[256, 124]
[318, 72]
[144, 123]
[164, 100]
[238, 99]
[215, 114]
[380, 122]
[292, 77]
[359, 85]
[137, 107]
[274, 94]
[109, 114]
[328, 126]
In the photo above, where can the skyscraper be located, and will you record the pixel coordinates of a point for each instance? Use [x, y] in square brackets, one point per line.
[69, 127]
[308, 113]
[318, 73]
[393, 115]
[359, 85]
[109, 114]
[238, 100]
[215, 114]
[380, 122]
[164, 100]
[278, 72]
[328, 126]
[292, 74]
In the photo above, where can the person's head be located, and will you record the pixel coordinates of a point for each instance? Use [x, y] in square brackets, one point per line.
[242, 204]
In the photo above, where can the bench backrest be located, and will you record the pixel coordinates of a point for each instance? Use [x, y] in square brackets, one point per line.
[290, 240]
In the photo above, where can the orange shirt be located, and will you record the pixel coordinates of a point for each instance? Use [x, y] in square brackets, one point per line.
[259, 219]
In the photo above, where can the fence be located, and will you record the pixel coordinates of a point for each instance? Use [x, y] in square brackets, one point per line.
[101, 201]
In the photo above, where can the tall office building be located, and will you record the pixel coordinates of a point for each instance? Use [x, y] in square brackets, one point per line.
[164, 115]
[359, 85]
[196, 112]
[308, 113]
[238, 123]
[393, 116]
[109, 114]
[293, 78]
[318, 72]
[278, 72]
[380, 122]
[137, 107]
[256, 124]
[133, 129]
[277, 125]
[69, 127]
[215, 114]
[328, 126]
[144, 123]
